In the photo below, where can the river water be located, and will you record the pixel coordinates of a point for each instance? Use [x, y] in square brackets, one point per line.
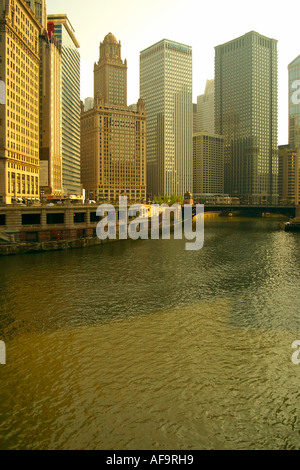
[143, 345]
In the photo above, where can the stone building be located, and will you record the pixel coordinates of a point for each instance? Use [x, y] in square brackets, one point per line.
[113, 135]
[19, 116]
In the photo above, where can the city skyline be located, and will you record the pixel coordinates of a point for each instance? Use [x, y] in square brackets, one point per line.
[141, 25]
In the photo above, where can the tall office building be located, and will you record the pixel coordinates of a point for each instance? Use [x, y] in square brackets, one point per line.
[246, 112]
[208, 161]
[50, 114]
[206, 109]
[289, 155]
[64, 32]
[39, 7]
[166, 88]
[19, 116]
[113, 135]
[289, 175]
[294, 103]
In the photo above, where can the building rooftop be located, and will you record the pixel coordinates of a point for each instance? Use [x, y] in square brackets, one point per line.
[178, 44]
[244, 35]
[295, 61]
[63, 19]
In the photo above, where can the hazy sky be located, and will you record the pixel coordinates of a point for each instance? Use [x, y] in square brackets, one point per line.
[202, 25]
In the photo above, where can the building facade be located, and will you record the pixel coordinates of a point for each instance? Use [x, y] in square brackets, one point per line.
[246, 113]
[289, 155]
[113, 135]
[71, 110]
[208, 164]
[166, 89]
[19, 116]
[206, 109]
[289, 175]
[50, 116]
[39, 7]
[110, 73]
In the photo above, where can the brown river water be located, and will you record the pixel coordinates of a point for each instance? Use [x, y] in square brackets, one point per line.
[142, 345]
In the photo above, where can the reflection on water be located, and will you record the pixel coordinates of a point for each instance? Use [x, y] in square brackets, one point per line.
[143, 345]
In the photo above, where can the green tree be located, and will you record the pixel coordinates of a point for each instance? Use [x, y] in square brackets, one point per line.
[166, 199]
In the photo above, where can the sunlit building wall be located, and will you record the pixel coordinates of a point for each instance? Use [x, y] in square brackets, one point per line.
[19, 116]
[39, 7]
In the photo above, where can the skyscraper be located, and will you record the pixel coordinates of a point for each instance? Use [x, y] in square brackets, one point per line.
[110, 73]
[113, 135]
[289, 175]
[19, 116]
[64, 32]
[206, 109]
[246, 112]
[208, 160]
[39, 7]
[50, 114]
[289, 155]
[166, 88]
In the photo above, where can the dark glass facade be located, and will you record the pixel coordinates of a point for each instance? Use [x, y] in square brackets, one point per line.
[246, 114]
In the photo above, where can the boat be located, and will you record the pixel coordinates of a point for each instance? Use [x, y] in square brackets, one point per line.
[293, 226]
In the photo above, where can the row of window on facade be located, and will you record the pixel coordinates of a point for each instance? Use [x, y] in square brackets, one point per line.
[22, 184]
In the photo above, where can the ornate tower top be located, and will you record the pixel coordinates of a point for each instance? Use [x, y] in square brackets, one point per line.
[110, 73]
[110, 48]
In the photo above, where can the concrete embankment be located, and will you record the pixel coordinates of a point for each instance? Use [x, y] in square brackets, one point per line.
[60, 245]
[54, 245]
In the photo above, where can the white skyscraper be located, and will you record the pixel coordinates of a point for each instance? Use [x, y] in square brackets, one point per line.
[166, 88]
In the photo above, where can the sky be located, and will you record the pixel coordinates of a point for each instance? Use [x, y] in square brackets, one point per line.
[203, 25]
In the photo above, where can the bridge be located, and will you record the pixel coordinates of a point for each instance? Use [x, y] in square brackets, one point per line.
[254, 210]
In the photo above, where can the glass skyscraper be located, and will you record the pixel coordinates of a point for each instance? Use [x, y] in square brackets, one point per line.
[246, 114]
[166, 88]
[71, 108]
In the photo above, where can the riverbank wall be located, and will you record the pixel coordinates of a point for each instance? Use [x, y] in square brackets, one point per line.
[42, 240]
[54, 245]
